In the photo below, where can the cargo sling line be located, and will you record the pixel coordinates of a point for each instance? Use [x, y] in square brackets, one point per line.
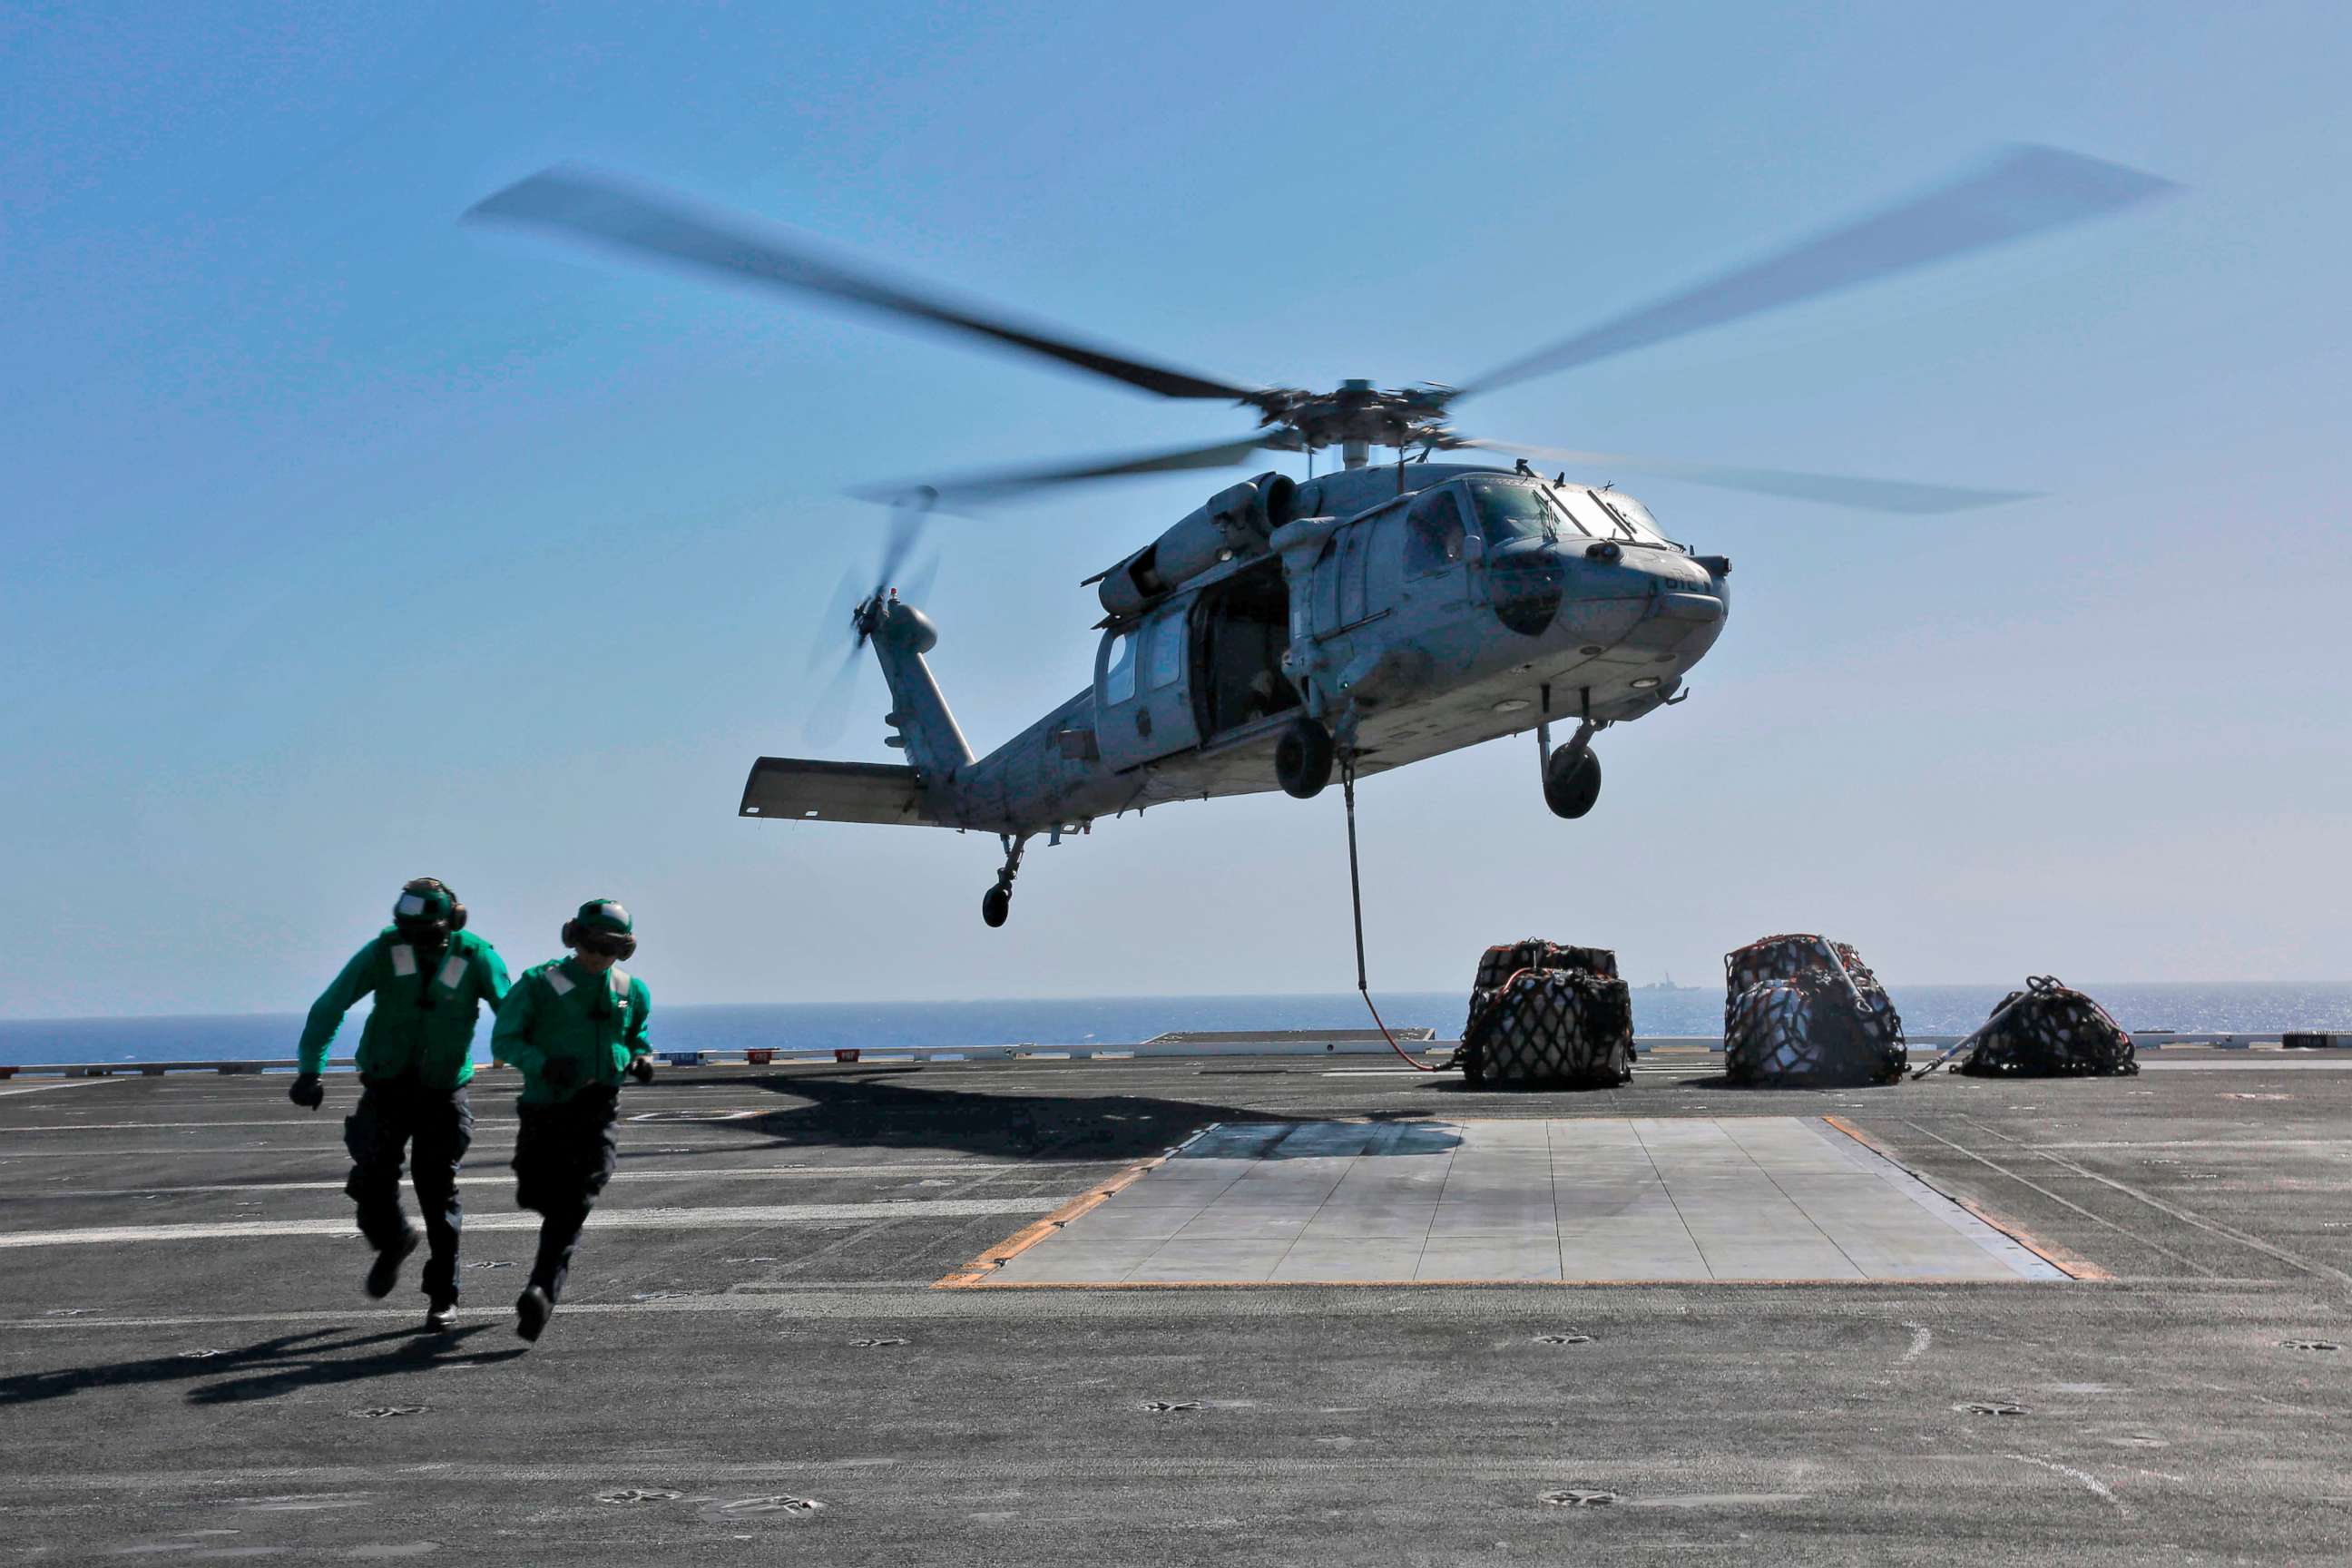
[1356, 894]
[1979, 1033]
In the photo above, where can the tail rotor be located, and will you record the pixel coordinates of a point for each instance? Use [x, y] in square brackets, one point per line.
[857, 604]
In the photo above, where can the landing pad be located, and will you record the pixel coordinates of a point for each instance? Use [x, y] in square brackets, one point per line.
[1573, 1200]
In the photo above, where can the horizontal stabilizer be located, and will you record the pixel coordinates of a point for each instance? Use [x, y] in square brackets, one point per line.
[795, 789]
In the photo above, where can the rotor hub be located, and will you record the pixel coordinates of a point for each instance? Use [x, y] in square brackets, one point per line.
[1355, 416]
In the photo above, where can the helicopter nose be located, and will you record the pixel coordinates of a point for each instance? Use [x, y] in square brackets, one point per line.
[1687, 603]
[1642, 600]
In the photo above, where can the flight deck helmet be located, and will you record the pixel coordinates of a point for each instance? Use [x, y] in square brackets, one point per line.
[601, 926]
[427, 911]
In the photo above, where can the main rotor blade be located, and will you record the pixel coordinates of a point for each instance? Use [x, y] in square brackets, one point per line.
[972, 488]
[595, 207]
[1834, 489]
[907, 520]
[2022, 192]
[917, 590]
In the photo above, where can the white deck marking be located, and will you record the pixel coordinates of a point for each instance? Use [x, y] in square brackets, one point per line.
[331, 1118]
[2243, 1061]
[751, 1174]
[2082, 1479]
[57, 1083]
[290, 1123]
[748, 1217]
[2344, 1143]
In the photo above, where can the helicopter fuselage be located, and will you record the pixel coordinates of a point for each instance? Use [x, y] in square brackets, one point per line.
[1410, 610]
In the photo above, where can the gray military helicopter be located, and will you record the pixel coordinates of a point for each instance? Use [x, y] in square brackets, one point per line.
[1365, 619]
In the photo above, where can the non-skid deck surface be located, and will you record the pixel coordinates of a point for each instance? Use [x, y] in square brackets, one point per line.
[1733, 1198]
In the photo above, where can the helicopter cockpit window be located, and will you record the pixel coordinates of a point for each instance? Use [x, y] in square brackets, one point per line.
[1573, 523]
[1511, 510]
[1613, 515]
[1118, 668]
[1635, 516]
[1167, 648]
[1433, 534]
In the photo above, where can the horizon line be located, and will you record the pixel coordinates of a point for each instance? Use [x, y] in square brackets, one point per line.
[2092, 986]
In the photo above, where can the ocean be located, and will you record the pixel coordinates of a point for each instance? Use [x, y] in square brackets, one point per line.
[1125, 1020]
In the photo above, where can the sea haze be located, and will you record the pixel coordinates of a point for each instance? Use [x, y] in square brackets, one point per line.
[1124, 1020]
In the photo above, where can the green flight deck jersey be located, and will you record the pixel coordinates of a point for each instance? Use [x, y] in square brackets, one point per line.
[426, 1003]
[563, 1010]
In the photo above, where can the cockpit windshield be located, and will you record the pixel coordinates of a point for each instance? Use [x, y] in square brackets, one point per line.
[1511, 510]
[1636, 515]
[1612, 514]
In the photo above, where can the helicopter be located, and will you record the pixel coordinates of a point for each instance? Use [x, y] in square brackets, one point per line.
[1371, 617]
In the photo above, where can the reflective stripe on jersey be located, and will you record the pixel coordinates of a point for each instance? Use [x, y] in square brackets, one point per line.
[559, 980]
[404, 960]
[453, 973]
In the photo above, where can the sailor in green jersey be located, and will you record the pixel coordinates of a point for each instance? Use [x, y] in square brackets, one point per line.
[574, 1028]
[429, 977]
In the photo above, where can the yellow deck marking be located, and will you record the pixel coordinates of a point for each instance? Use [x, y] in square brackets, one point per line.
[975, 1275]
[2071, 1263]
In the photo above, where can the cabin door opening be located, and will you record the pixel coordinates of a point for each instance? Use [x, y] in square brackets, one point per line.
[1243, 627]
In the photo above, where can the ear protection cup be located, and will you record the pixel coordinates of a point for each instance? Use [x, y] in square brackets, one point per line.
[570, 937]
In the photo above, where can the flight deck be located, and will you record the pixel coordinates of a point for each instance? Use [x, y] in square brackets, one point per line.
[1262, 1309]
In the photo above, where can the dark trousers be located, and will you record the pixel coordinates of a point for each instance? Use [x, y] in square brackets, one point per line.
[392, 1115]
[564, 1153]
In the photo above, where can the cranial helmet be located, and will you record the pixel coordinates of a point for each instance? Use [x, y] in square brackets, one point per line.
[601, 926]
[426, 910]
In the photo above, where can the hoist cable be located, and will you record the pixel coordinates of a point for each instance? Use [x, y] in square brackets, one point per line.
[1356, 895]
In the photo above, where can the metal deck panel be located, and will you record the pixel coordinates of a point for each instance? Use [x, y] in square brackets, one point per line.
[1587, 1199]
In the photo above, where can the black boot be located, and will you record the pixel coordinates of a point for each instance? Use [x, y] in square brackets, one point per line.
[384, 1272]
[532, 1309]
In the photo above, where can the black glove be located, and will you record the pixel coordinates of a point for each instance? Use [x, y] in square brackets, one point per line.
[307, 1091]
[641, 1068]
[559, 1072]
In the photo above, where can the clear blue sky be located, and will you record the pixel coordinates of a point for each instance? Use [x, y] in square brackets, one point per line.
[340, 544]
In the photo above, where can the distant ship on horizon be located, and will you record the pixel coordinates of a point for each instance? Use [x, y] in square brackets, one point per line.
[1665, 985]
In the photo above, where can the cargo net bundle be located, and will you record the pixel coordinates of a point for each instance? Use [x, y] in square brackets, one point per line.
[2049, 1030]
[1802, 1008]
[1547, 1015]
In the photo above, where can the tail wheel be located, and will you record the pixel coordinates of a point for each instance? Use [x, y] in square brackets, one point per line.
[1571, 781]
[1302, 760]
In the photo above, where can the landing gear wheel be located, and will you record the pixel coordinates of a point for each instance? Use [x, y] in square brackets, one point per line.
[1302, 761]
[997, 903]
[1571, 781]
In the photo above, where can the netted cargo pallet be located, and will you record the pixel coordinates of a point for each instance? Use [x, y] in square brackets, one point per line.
[2049, 1030]
[1545, 1016]
[1805, 1009]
